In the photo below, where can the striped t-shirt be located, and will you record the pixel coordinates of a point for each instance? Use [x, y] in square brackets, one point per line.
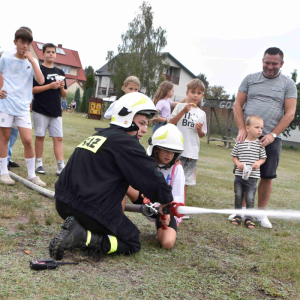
[266, 97]
[248, 152]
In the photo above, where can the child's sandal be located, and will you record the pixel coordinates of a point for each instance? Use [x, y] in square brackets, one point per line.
[249, 223]
[237, 220]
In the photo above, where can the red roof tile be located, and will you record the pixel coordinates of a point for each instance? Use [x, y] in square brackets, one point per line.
[70, 59]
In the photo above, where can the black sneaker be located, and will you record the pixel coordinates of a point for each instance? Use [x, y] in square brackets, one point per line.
[40, 170]
[13, 164]
[72, 236]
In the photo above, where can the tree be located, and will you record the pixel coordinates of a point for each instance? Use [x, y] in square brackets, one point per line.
[89, 90]
[296, 122]
[216, 92]
[140, 53]
[203, 78]
[70, 96]
[88, 71]
[77, 99]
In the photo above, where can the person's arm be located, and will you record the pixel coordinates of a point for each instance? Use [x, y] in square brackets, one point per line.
[239, 164]
[132, 194]
[39, 89]
[290, 109]
[63, 90]
[239, 115]
[198, 127]
[180, 114]
[132, 164]
[39, 77]
[3, 93]
[258, 163]
[161, 119]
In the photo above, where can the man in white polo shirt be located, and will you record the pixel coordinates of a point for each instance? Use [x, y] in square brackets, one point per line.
[272, 96]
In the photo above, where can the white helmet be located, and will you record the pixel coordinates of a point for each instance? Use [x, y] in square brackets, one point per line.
[167, 137]
[129, 105]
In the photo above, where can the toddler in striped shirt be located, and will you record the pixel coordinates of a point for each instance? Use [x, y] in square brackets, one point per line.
[251, 154]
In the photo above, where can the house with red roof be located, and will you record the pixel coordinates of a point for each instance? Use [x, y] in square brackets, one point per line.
[67, 60]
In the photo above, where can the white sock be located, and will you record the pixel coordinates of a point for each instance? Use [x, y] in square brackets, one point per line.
[60, 165]
[30, 162]
[39, 162]
[244, 207]
[3, 164]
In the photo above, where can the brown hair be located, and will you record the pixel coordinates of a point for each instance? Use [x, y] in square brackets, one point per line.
[251, 118]
[48, 45]
[132, 79]
[162, 91]
[26, 28]
[196, 84]
[24, 35]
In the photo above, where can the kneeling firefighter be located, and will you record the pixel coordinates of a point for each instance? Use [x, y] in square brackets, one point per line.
[91, 187]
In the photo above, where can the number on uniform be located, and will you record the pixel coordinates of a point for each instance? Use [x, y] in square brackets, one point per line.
[92, 143]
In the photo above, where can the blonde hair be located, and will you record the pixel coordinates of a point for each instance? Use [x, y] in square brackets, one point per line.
[250, 119]
[196, 84]
[132, 79]
[162, 91]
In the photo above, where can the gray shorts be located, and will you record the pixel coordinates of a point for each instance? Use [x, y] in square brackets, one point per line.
[41, 123]
[189, 168]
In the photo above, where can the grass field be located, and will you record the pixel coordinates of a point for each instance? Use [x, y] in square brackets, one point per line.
[211, 259]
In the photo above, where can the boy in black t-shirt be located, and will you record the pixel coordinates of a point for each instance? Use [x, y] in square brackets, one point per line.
[47, 109]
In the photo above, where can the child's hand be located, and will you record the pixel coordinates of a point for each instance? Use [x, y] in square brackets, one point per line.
[62, 84]
[198, 127]
[188, 107]
[240, 166]
[255, 166]
[28, 55]
[54, 85]
[3, 94]
[166, 222]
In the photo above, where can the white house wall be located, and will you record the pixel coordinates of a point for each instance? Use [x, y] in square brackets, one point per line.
[184, 78]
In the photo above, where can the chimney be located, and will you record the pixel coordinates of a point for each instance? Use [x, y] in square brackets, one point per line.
[59, 46]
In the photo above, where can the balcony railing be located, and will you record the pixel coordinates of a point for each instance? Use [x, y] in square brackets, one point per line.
[172, 79]
[102, 91]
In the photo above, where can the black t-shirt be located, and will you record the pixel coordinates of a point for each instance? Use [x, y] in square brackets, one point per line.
[48, 103]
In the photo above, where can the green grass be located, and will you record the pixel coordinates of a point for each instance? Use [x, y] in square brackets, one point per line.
[211, 258]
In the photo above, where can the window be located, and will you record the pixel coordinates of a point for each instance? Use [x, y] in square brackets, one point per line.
[66, 69]
[60, 51]
[40, 46]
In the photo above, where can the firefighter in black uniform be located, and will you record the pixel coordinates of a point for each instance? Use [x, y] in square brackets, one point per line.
[91, 187]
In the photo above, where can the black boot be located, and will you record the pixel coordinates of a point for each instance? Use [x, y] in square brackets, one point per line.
[74, 236]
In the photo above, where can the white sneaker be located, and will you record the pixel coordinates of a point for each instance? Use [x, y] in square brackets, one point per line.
[5, 178]
[263, 221]
[36, 180]
[232, 216]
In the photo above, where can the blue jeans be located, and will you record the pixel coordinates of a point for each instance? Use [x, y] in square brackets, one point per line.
[247, 187]
[13, 137]
[157, 125]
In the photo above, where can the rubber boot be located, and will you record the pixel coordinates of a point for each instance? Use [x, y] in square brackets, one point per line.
[74, 236]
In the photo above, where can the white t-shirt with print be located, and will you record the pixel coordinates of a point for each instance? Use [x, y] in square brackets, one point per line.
[187, 127]
[17, 82]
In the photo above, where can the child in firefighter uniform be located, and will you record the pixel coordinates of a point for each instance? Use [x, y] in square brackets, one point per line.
[92, 186]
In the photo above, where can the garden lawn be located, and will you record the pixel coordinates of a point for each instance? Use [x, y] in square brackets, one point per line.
[211, 259]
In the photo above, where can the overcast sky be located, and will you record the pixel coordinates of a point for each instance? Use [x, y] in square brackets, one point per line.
[225, 40]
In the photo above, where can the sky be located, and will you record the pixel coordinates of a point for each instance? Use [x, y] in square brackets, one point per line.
[225, 40]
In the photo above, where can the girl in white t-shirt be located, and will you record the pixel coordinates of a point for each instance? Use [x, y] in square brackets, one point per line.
[131, 85]
[166, 145]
